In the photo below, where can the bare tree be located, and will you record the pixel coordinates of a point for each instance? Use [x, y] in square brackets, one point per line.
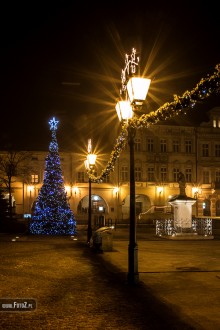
[13, 165]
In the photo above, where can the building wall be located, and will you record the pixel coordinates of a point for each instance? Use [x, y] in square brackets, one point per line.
[150, 195]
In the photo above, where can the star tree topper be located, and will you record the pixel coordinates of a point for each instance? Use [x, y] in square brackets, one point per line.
[53, 124]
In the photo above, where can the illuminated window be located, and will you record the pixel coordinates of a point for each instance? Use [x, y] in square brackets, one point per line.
[34, 178]
[214, 122]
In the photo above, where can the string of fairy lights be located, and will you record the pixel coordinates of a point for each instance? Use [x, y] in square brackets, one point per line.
[180, 105]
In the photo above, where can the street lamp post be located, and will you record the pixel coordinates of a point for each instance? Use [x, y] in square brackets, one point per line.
[133, 94]
[30, 188]
[90, 164]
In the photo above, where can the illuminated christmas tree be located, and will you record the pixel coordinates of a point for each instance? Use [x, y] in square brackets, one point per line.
[52, 214]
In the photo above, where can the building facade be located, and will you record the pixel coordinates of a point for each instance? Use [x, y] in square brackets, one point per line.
[161, 152]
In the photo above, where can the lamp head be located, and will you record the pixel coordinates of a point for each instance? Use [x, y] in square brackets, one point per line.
[137, 89]
[91, 159]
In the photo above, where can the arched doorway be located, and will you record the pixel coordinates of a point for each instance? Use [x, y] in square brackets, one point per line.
[98, 205]
[142, 204]
[206, 207]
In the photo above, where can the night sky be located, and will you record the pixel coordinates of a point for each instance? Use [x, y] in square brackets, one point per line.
[66, 61]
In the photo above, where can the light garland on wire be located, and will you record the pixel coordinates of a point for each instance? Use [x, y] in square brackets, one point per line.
[119, 146]
[181, 105]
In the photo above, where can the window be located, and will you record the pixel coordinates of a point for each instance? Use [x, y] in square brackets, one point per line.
[205, 176]
[137, 145]
[81, 177]
[216, 122]
[106, 179]
[124, 173]
[163, 174]
[175, 174]
[150, 174]
[163, 145]
[34, 178]
[137, 174]
[205, 150]
[175, 146]
[150, 145]
[217, 176]
[188, 175]
[188, 146]
[217, 150]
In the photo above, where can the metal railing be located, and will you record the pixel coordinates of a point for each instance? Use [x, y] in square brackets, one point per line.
[200, 226]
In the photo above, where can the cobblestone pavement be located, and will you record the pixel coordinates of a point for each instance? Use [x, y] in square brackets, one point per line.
[74, 288]
[183, 274]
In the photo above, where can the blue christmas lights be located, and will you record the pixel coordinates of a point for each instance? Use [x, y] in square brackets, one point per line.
[52, 214]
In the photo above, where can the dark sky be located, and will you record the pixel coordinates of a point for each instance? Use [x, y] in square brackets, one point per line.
[65, 61]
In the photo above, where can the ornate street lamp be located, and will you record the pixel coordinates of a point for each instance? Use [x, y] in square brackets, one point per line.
[133, 94]
[89, 165]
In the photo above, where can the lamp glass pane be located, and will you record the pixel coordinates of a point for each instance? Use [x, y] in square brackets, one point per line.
[91, 159]
[86, 163]
[138, 88]
[124, 110]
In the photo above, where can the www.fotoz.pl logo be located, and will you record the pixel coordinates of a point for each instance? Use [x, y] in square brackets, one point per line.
[17, 305]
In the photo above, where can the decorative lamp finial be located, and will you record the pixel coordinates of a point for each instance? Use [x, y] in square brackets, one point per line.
[131, 64]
